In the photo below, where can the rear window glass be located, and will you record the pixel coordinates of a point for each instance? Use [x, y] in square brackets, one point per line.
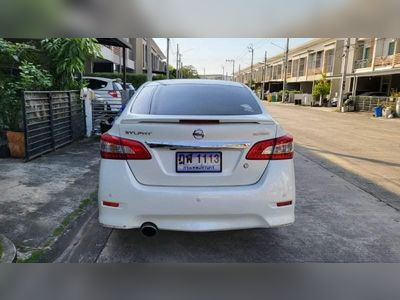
[95, 84]
[201, 99]
[141, 105]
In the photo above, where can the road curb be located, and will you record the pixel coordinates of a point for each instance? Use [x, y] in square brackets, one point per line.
[9, 251]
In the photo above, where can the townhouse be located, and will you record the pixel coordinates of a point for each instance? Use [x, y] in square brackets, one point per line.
[373, 66]
[136, 58]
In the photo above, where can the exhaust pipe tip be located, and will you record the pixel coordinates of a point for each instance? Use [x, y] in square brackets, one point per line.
[149, 229]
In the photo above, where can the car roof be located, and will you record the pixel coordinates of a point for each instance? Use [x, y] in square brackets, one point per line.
[99, 78]
[195, 81]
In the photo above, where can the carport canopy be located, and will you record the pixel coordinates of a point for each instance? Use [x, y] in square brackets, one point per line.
[117, 42]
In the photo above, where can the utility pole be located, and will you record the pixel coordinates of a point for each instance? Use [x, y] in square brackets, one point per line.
[167, 58]
[223, 72]
[285, 70]
[149, 60]
[204, 72]
[177, 62]
[180, 66]
[264, 77]
[233, 68]
[251, 49]
[239, 75]
[343, 79]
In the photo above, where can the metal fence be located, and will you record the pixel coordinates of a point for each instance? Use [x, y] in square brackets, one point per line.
[367, 103]
[51, 120]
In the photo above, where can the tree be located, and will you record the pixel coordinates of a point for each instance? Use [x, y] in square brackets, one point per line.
[172, 72]
[321, 89]
[189, 72]
[68, 57]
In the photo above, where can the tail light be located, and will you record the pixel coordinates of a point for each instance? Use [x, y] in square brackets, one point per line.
[110, 204]
[113, 147]
[284, 203]
[114, 94]
[274, 149]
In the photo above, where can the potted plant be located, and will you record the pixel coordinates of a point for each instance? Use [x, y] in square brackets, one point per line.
[10, 116]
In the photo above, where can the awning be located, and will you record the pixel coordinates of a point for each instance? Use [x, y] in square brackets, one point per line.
[114, 42]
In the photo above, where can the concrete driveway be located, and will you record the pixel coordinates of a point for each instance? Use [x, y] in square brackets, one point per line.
[37, 196]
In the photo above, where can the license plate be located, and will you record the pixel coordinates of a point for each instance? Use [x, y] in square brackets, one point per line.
[198, 162]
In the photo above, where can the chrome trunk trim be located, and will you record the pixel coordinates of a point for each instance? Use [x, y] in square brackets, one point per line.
[200, 145]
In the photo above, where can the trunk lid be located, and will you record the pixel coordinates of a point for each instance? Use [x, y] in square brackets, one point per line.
[164, 136]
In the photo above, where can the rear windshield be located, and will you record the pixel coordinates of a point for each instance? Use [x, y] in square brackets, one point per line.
[196, 99]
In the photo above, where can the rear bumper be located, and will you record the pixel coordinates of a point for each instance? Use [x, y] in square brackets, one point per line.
[196, 208]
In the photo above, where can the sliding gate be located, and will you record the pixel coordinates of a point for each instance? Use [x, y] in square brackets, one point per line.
[51, 120]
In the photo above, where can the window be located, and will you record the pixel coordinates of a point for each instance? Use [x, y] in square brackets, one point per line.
[301, 67]
[198, 99]
[319, 60]
[311, 61]
[295, 68]
[289, 68]
[95, 84]
[278, 72]
[141, 105]
[391, 48]
[366, 52]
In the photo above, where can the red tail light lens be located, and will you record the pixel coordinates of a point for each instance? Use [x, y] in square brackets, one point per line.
[113, 147]
[110, 204]
[113, 94]
[284, 203]
[274, 149]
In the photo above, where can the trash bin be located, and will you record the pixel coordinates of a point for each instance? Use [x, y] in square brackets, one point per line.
[378, 111]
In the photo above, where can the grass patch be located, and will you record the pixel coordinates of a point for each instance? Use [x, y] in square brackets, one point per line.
[38, 253]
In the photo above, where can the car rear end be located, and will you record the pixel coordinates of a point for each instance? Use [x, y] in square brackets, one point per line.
[109, 96]
[196, 156]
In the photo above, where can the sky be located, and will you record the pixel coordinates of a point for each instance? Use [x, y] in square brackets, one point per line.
[210, 54]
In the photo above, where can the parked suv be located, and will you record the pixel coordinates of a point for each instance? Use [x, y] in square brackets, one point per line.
[107, 91]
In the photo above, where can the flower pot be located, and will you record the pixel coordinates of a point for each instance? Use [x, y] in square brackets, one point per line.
[16, 143]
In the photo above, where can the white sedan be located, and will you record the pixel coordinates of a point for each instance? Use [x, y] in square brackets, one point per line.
[196, 155]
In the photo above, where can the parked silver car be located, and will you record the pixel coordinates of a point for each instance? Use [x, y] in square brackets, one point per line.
[107, 91]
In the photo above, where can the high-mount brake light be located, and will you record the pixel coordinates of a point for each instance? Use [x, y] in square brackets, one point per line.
[114, 147]
[273, 149]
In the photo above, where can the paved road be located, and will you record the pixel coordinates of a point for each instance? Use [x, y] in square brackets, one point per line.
[362, 149]
[337, 218]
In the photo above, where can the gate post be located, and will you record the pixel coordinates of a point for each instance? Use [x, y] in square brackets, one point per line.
[51, 120]
[88, 112]
[25, 126]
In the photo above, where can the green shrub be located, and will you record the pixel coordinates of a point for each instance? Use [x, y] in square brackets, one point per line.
[68, 56]
[31, 77]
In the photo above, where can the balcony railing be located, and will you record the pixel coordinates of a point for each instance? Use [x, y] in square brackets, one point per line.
[362, 63]
[314, 71]
[397, 59]
[383, 61]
